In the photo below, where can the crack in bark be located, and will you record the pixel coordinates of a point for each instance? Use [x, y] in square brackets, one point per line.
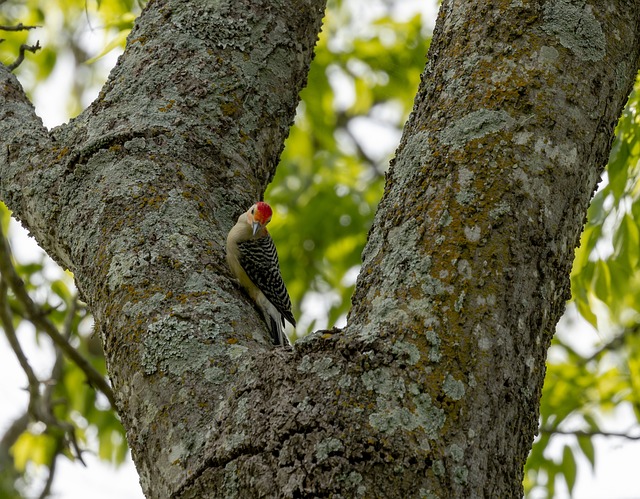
[83, 155]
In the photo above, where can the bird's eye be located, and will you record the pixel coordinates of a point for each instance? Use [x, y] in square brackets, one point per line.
[253, 210]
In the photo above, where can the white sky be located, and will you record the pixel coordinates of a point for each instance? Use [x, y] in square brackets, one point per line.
[617, 460]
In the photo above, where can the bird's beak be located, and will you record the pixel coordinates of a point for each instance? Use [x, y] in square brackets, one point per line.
[256, 226]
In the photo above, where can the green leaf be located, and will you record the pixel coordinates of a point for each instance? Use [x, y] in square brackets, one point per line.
[569, 468]
[118, 41]
[5, 217]
[593, 425]
[38, 449]
[586, 446]
[60, 288]
[552, 472]
[602, 281]
[584, 307]
[626, 243]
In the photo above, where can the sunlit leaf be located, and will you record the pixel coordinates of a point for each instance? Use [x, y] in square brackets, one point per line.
[5, 217]
[37, 449]
[118, 41]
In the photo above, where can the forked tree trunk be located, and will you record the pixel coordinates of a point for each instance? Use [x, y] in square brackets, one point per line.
[432, 389]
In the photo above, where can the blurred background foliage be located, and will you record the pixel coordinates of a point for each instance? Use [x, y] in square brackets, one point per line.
[331, 175]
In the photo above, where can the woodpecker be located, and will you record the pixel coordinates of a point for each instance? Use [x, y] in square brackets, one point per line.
[253, 260]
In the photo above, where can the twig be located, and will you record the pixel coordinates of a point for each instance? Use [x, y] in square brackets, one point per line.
[10, 437]
[35, 314]
[52, 470]
[24, 48]
[17, 27]
[591, 433]
[57, 372]
[10, 333]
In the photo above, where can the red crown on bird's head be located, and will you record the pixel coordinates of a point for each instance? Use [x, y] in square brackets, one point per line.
[263, 212]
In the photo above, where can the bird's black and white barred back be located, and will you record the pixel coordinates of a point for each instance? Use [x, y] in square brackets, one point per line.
[256, 256]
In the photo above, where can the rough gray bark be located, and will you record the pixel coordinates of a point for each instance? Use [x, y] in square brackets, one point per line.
[432, 389]
[511, 128]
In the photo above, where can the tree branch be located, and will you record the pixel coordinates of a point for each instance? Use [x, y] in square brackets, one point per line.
[24, 48]
[17, 427]
[17, 27]
[10, 333]
[39, 409]
[46, 490]
[11, 435]
[21, 424]
[24, 141]
[36, 315]
[590, 433]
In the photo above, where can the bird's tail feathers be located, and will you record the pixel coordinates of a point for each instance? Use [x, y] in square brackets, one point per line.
[278, 336]
[275, 321]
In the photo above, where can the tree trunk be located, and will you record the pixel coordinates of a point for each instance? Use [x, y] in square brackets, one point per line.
[432, 389]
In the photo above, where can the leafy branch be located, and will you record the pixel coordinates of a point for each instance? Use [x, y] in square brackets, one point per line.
[41, 404]
[39, 318]
[40, 409]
